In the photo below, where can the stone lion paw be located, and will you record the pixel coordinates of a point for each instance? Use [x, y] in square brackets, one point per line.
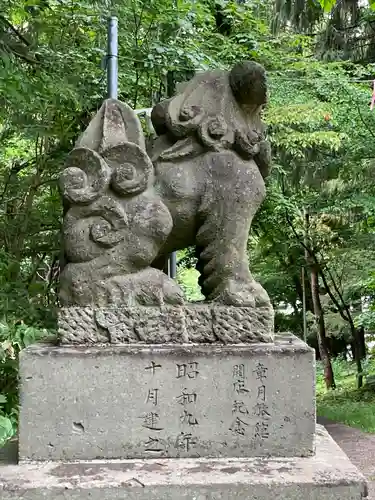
[147, 287]
[241, 294]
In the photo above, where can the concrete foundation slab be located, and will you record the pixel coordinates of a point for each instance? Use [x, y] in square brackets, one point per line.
[167, 401]
[328, 475]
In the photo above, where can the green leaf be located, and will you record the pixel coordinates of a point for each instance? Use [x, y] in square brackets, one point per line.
[327, 5]
[6, 429]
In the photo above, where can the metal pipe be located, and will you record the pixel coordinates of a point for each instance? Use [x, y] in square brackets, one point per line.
[172, 265]
[170, 87]
[304, 271]
[112, 58]
[304, 304]
[112, 90]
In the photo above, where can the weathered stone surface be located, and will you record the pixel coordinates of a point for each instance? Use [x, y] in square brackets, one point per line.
[142, 401]
[328, 475]
[200, 184]
[169, 324]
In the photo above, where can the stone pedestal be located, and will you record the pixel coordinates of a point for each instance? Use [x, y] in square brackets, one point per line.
[182, 324]
[167, 401]
[328, 475]
[174, 421]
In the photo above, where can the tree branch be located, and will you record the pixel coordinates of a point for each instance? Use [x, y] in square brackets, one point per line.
[320, 270]
[39, 260]
[15, 31]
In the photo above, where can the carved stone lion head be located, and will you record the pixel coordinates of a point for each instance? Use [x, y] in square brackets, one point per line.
[220, 109]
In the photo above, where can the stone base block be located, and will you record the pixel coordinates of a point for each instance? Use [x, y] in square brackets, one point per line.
[191, 323]
[327, 476]
[167, 401]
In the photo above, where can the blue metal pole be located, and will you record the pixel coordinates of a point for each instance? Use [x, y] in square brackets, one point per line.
[112, 58]
[112, 92]
[170, 88]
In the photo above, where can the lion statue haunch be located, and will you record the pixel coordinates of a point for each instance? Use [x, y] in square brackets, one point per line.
[200, 183]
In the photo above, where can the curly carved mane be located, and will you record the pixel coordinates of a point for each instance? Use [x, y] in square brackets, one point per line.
[218, 109]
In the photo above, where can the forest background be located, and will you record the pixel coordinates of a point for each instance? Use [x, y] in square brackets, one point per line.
[313, 241]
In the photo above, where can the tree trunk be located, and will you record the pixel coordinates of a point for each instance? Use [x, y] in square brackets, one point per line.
[346, 314]
[362, 342]
[357, 345]
[322, 339]
[358, 352]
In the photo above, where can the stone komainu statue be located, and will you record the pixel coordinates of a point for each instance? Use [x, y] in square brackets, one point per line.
[200, 183]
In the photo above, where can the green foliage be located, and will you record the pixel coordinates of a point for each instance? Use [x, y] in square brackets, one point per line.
[14, 336]
[328, 5]
[345, 404]
[6, 429]
[321, 129]
[187, 275]
[337, 30]
[188, 280]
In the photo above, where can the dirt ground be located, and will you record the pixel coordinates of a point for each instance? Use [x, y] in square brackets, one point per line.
[358, 445]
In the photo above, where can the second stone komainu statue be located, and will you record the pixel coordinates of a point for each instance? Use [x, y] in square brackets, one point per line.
[199, 183]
